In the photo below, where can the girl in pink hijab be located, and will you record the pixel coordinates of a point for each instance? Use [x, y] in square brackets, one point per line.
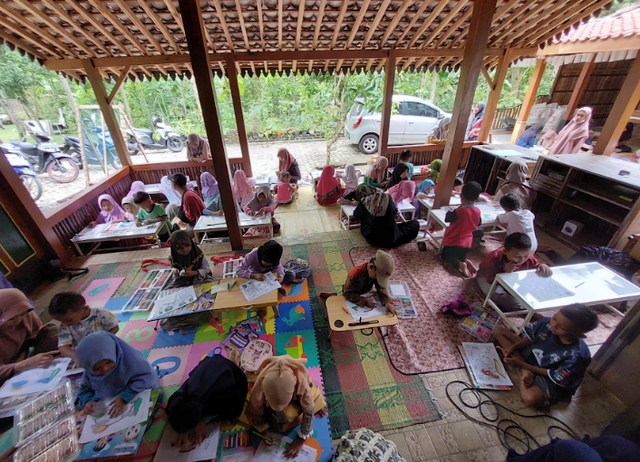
[574, 134]
[329, 189]
[403, 190]
[136, 186]
[242, 188]
[111, 211]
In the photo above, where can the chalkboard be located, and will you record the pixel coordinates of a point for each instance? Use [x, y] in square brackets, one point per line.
[3, 269]
[12, 240]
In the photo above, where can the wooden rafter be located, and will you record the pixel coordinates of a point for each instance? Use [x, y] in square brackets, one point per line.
[374, 24]
[394, 22]
[223, 24]
[261, 25]
[37, 41]
[522, 20]
[28, 48]
[356, 24]
[320, 15]
[414, 19]
[426, 24]
[242, 26]
[299, 26]
[119, 82]
[160, 25]
[370, 63]
[124, 30]
[524, 28]
[515, 15]
[338, 25]
[454, 27]
[97, 24]
[280, 27]
[139, 24]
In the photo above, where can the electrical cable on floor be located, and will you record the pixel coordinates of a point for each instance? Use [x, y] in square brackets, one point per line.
[507, 429]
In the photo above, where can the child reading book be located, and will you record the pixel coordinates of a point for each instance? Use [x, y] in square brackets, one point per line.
[459, 235]
[77, 320]
[551, 355]
[130, 209]
[362, 279]
[517, 219]
[514, 256]
[110, 211]
[151, 213]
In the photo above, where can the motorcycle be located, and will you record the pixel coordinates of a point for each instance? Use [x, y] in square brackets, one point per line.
[168, 138]
[23, 168]
[94, 155]
[46, 157]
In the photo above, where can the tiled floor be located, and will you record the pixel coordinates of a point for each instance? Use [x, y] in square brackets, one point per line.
[454, 438]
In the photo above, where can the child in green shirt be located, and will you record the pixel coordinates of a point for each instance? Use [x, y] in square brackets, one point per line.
[151, 213]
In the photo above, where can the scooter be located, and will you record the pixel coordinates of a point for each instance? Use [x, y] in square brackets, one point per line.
[95, 156]
[46, 157]
[23, 168]
[168, 138]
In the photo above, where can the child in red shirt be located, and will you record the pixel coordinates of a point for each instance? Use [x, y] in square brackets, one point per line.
[459, 235]
[514, 256]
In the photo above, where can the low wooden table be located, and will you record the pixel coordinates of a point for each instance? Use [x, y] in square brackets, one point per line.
[234, 300]
[115, 232]
[336, 311]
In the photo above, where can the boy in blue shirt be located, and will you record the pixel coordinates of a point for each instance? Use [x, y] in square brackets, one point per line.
[551, 355]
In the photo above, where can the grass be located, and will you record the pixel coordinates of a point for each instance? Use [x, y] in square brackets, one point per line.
[9, 133]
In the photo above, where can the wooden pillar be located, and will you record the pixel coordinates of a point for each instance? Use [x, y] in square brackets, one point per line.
[107, 111]
[625, 104]
[232, 75]
[199, 56]
[529, 99]
[387, 103]
[494, 95]
[479, 29]
[580, 87]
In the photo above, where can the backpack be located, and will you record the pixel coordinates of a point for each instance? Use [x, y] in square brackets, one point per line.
[296, 270]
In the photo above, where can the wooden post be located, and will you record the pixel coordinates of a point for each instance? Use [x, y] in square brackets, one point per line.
[199, 56]
[494, 95]
[232, 75]
[625, 104]
[387, 103]
[529, 99]
[580, 87]
[479, 29]
[109, 115]
[77, 116]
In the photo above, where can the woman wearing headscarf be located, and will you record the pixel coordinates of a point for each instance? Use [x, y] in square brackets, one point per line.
[263, 202]
[262, 260]
[516, 183]
[329, 189]
[350, 177]
[288, 163]
[110, 211]
[136, 186]
[573, 135]
[528, 137]
[403, 190]
[19, 329]
[377, 215]
[442, 130]
[198, 149]
[171, 194]
[376, 176]
[242, 188]
[282, 398]
[210, 192]
[475, 122]
[112, 368]
[215, 391]
[400, 173]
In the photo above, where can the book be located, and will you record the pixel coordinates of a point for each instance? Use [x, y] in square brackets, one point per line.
[484, 366]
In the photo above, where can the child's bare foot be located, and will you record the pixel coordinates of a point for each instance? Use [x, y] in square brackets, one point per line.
[527, 377]
[472, 268]
[463, 268]
[322, 412]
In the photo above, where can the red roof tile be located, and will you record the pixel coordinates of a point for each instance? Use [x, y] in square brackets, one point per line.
[623, 23]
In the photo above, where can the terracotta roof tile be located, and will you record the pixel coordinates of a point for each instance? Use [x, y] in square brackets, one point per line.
[623, 23]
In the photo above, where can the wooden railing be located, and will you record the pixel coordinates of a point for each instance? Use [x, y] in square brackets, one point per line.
[424, 154]
[512, 112]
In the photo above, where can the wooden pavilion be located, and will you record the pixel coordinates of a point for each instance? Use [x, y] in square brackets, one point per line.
[118, 39]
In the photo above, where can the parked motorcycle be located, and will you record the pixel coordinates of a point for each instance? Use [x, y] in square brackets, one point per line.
[23, 168]
[94, 155]
[46, 157]
[168, 138]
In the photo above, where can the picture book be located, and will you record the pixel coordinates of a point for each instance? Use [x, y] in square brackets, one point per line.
[35, 380]
[170, 301]
[170, 451]
[275, 452]
[480, 324]
[144, 297]
[203, 302]
[364, 312]
[253, 288]
[99, 424]
[484, 366]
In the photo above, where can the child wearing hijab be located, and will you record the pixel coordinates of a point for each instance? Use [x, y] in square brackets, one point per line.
[262, 203]
[403, 190]
[400, 173]
[282, 398]
[288, 163]
[189, 262]
[112, 368]
[211, 193]
[136, 186]
[573, 135]
[111, 211]
[130, 209]
[242, 188]
[376, 176]
[285, 191]
[516, 183]
[350, 177]
[216, 390]
[262, 260]
[329, 189]
[406, 157]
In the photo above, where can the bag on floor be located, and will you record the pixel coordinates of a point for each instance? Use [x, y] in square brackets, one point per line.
[296, 271]
[458, 307]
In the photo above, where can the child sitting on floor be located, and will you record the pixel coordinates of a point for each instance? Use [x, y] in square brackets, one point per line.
[514, 256]
[263, 203]
[517, 219]
[551, 355]
[130, 209]
[151, 213]
[361, 279]
[211, 195]
[285, 190]
[78, 320]
[458, 237]
[112, 368]
[262, 260]
[350, 178]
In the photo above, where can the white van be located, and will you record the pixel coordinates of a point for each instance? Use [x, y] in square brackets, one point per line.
[412, 122]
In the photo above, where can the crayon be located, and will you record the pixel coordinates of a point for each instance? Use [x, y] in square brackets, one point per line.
[260, 435]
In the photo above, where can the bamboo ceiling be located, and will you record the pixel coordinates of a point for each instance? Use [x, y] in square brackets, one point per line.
[69, 30]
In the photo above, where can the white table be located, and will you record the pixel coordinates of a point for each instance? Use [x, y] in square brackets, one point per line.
[346, 217]
[213, 223]
[489, 212]
[589, 283]
[265, 180]
[406, 207]
[155, 187]
[115, 232]
[427, 202]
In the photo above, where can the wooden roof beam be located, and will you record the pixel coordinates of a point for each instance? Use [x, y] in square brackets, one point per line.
[426, 24]
[336, 31]
[98, 25]
[356, 25]
[512, 37]
[242, 26]
[454, 27]
[280, 27]
[160, 25]
[223, 24]
[376, 21]
[260, 24]
[415, 18]
[516, 14]
[26, 35]
[117, 24]
[522, 22]
[394, 23]
[119, 82]
[299, 25]
[24, 46]
[319, 18]
[140, 25]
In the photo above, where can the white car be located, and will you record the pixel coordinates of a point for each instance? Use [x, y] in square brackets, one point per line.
[413, 121]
